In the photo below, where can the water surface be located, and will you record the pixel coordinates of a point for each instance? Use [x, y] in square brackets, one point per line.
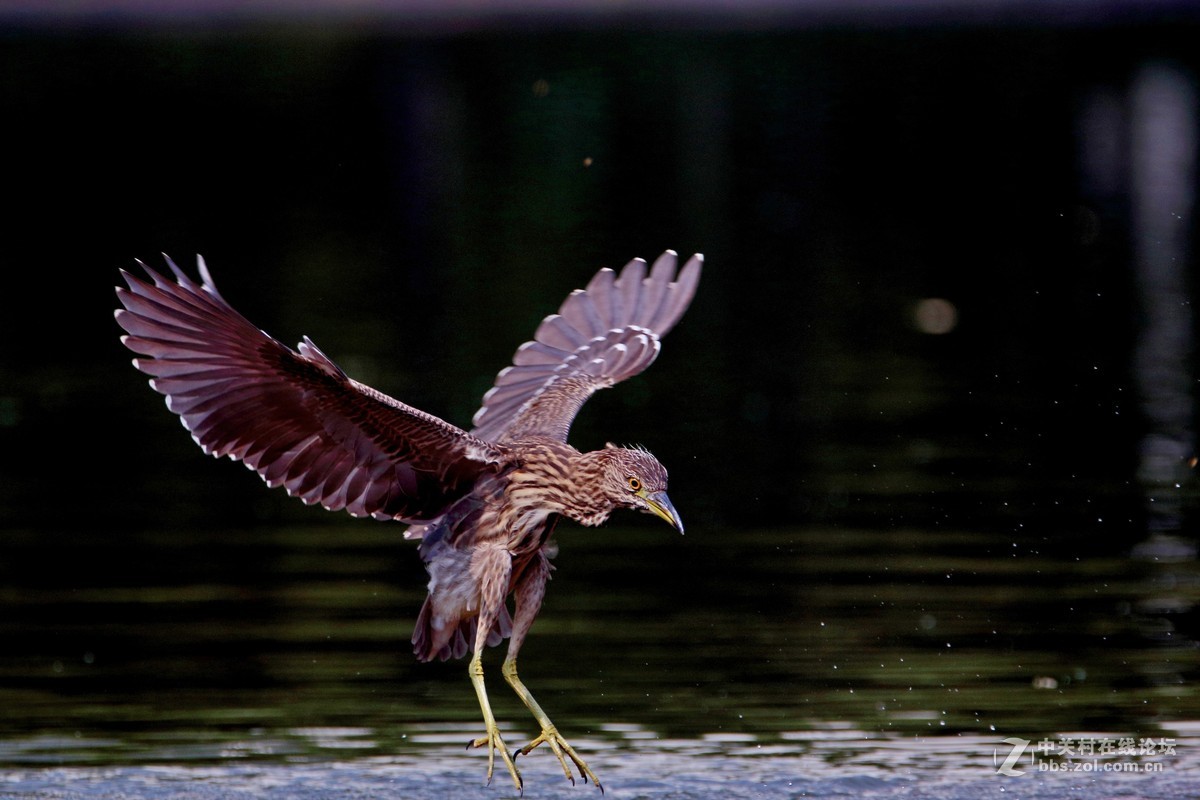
[878, 663]
[904, 546]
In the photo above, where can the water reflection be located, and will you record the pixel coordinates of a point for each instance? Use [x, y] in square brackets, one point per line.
[832, 653]
[834, 761]
[1163, 165]
[1137, 156]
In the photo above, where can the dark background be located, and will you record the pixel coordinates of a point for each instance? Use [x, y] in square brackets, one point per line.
[415, 194]
[417, 203]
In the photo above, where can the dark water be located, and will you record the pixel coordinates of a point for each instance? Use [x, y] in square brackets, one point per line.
[905, 543]
[887, 663]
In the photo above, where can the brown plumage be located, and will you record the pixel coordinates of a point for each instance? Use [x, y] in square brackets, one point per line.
[483, 503]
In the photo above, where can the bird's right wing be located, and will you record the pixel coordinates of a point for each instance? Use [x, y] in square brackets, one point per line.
[293, 417]
[600, 336]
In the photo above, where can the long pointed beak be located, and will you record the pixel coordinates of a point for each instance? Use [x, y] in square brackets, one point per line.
[661, 506]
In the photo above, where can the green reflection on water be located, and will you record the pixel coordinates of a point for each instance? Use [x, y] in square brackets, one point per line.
[240, 639]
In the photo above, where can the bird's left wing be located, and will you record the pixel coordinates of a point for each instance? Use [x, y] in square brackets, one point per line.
[600, 336]
[293, 417]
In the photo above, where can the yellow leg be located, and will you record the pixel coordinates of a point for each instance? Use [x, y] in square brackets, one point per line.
[491, 739]
[549, 735]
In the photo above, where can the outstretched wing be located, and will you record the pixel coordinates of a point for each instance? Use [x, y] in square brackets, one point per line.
[293, 417]
[602, 335]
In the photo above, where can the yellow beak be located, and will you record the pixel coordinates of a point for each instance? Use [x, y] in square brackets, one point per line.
[660, 506]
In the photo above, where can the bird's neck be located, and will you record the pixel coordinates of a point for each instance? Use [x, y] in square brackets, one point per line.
[555, 478]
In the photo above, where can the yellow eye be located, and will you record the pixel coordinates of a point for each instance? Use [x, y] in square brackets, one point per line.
[635, 485]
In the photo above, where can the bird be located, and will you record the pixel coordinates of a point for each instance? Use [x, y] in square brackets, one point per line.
[481, 503]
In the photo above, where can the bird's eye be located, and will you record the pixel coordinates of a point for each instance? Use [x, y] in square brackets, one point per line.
[635, 485]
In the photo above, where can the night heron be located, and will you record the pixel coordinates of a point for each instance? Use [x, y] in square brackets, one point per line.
[483, 503]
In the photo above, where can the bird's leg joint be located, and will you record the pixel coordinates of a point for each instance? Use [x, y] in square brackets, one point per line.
[549, 736]
[491, 739]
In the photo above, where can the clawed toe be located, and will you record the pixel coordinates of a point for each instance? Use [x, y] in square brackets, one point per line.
[563, 751]
[493, 742]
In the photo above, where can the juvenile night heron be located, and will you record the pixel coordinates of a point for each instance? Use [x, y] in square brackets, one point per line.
[483, 503]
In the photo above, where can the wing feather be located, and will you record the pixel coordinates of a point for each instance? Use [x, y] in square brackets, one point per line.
[558, 332]
[678, 297]
[600, 336]
[633, 279]
[539, 353]
[293, 416]
[579, 311]
[656, 288]
[606, 300]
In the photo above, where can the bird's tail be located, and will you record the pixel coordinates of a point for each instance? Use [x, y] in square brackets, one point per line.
[453, 641]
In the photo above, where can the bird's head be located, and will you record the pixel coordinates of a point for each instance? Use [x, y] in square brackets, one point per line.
[633, 478]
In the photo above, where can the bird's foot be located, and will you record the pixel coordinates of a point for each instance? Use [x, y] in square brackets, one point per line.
[558, 745]
[493, 741]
